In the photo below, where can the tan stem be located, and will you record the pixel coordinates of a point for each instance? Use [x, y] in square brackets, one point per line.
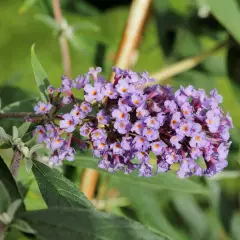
[132, 33]
[185, 65]
[65, 53]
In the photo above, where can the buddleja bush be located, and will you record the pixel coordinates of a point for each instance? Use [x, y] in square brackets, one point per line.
[123, 123]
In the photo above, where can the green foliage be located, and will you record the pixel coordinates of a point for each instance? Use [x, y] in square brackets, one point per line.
[40, 76]
[57, 190]
[85, 224]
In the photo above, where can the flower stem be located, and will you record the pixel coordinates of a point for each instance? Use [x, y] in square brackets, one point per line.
[62, 39]
[186, 64]
[19, 115]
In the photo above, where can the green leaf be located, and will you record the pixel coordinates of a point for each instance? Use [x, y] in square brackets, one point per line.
[22, 226]
[4, 199]
[20, 106]
[9, 182]
[13, 208]
[28, 164]
[23, 129]
[35, 148]
[15, 132]
[26, 5]
[56, 189]
[228, 14]
[167, 181]
[148, 208]
[235, 229]
[3, 135]
[192, 214]
[48, 21]
[87, 224]
[40, 76]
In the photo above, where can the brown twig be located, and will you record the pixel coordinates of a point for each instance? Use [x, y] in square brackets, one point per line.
[130, 39]
[18, 115]
[66, 60]
[132, 33]
[186, 64]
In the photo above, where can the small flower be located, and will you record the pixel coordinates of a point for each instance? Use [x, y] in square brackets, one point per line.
[123, 104]
[152, 122]
[67, 84]
[95, 72]
[81, 81]
[42, 108]
[120, 114]
[103, 117]
[142, 112]
[198, 140]
[140, 143]
[85, 107]
[116, 147]
[122, 126]
[66, 100]
[122, 87]
[110, 91]
[212, 121]
[171, 106]
[51, 89]
[175, 141]
[136, 99]
[185, 129]
[93, 93]
[158, 147]
[99, 134]
[187, 110]
[138, 127]
[68, 123]
[145, 170]
[150, 134]
[41, 133]
[126, 143]
[77, 114]
[176, 119]
[56, 143]
[85, 130]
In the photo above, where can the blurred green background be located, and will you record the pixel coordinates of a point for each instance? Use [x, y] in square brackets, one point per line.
[175, 30]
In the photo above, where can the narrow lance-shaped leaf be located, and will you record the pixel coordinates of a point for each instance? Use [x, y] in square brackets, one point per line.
[56, 189]
[60, 223]
[40, 76]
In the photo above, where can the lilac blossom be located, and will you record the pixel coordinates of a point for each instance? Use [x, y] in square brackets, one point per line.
[128, 119]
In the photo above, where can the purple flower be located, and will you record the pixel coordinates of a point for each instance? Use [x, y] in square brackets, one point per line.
[120, 114]
[150, 134]
[126, 143]
[145, 170]
[142, 156]
[136, 99]
[98, 134]
[185, 128]
[187, 110]
[162, 166]
[67, 84]
[42, 108]
[77, 114]
[152, 122]
[198, 140]
[171, 106]
[56, 143]
[67, 153]
[213, 121]
[122, 126]
[41, 133]
[175, 141]
[176, 119]
[140, 143]
[103, 117]
[116, 147]
[100, 146]
[95, 72]
[158, 147]
[85, 130]
[195, 153]
[110, 91]
[93, 93]
[188, 168]
[142, 112]
[85, 107]
[81, 81]
[123, 87]
[138, 127]
[123, 104]
[51, 89]
[68, 123]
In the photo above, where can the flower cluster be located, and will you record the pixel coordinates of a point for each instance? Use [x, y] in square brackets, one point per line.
[134, 119]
